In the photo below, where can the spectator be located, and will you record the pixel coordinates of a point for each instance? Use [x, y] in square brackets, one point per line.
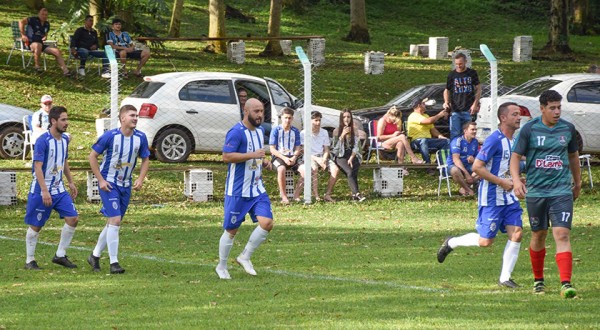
[285, 149]
[123, 46]
[346, 156]
[421, 131]
[593, 69]
[391, 135]
[40, 119]
[463, 150]
[34, 37]
[266, 124]
[243, 96]
[84, 43]
[462, 94]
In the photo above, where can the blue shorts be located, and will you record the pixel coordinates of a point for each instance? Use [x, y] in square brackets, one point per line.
[494, 218]
[236, 208]
[37, 213]
[116, 201]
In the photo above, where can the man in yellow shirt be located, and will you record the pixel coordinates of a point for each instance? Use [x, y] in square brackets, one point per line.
[424, 136]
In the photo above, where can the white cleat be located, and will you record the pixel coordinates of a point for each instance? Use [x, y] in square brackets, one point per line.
[223, 273]
[247, 265]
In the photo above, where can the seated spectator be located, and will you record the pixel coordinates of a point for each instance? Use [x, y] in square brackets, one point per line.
[84, 44]
[319, 157]
[392, 137]
[40, 119]
[424, 136]
[346, 156]
[122, 44]
[463, 150]
[285, 149]
[34, 37]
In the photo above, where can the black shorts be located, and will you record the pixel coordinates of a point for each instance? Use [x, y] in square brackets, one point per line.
[136, 54]
[276, 161]
[545, 211]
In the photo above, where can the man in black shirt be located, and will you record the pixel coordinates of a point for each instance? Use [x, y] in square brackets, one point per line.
[461, 95]
[84, 43]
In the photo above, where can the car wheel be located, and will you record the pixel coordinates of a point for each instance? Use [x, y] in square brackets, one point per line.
[173, 146]
[11, 142]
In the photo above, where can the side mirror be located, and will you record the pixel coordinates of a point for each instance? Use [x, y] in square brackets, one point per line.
[430, 103]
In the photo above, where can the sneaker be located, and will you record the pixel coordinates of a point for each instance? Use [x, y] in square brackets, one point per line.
[94, 262]
[568, 291]
[509, 284]
[81, 72]
[105, 75]
[444, 250]
[539, 287]
[223, 273]
[63, 261]
[32, 265]
[247, 265]
[115, 268]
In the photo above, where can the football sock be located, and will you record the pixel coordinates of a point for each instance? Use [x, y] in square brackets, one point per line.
[225, 245]
[66, 235]
[470, 239]
[31, 239]
[256, 238]
[537, 262]
[564, 260]
[509, 259]
[112, 240]
[101, 245]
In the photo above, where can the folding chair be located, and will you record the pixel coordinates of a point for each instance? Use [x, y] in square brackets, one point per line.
[584, 160]
[19, 45]
[27, 132]
[374, 143]
[441, 156]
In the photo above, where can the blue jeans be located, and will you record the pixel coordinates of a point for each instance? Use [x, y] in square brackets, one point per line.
[425, 146]
[457, 120]
[85, 53]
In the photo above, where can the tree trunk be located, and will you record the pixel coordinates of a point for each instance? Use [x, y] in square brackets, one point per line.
[216, 27]
[581, 17]
[95, 8]
[558, 39]
[176, 19]
[34, 4]
[358, 23]
[273, 47]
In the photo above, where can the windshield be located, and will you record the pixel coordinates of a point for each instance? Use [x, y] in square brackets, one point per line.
[534, 88]
[405, 98]
[146, 89]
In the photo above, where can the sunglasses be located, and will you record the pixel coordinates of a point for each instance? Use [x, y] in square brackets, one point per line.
[47, 103]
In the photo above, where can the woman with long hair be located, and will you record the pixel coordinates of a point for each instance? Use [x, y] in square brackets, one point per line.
[392, 137]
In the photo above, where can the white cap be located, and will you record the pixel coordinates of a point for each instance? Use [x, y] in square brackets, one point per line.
[46, 98]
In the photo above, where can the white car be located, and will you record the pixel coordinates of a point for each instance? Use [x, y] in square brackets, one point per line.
[580, 106]
[11, 130]
[185, 112]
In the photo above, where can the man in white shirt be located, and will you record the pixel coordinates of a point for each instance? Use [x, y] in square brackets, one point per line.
[39, 119]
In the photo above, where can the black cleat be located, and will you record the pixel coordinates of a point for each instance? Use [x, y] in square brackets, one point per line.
[539, 287]
[115, 268]
[94, 262]
[444, 250]
[32, 265]
[63, 261]
[509, 284]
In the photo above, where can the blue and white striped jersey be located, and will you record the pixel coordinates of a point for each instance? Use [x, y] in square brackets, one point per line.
[244, 179]
[495, 153]
[53, 154]
[284, 141]
[120, 155]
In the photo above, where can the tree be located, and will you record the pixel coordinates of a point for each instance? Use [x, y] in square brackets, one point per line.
[273, 47]
[176, 19]
[216, 27]
[582, 18]
[358, 23]
[34, 4]
[558, 38]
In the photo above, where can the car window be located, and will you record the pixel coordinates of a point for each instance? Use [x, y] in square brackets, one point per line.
[146, 89]
[406, 96]
[534, 88]
[279, 94]
[214, 91]
[587, 92]
[255, 90]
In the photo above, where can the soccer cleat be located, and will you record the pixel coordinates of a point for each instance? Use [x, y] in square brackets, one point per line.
[539, 287]
[115, 268]
[63, 261]
[32, 265]
[223, 273]
[94, 262]
[509, 284]
[568, 291]
[247, 265]
[81, 72]
[444, 250]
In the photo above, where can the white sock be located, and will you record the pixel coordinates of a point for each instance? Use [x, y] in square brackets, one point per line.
[509, 259]
[101, 245]
[258, 236]
[66, 235]
[112, 240]
[470, 239]
[225, 245]
[31, 239]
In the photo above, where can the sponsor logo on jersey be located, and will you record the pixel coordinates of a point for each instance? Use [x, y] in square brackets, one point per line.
[550, 162]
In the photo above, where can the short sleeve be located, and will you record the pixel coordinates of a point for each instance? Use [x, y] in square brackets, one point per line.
[274, 136]
[296, 138]
[573, 144]
[39, 150]
[102, 143]
[522, 141]
[455, 146]
[475, 78]
[325, 138]
[232, 140]
[144, 150]
[487, 150]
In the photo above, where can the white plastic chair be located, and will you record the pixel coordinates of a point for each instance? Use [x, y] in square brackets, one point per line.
[584, 160]
[442, 166]
[27, 132]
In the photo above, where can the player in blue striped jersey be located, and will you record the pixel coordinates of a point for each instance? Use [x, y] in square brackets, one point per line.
[47, 191]
[120, 148]
[285, 149]
[499, 208]
[244, 190]
[463, 150]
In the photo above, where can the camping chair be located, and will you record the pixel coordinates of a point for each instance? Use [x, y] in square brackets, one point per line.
[584, 160]
[27, 132]
[374, 143]
[90, 59]
[441, 156]
[19, 45]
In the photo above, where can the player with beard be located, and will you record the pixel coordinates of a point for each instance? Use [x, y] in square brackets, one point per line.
[48, 192]
[244, 190]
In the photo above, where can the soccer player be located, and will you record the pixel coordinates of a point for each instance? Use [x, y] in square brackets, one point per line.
[120, 148]
[285, 149]
[499, 209]
[244, 190]
[549, 144]
[48, 192]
